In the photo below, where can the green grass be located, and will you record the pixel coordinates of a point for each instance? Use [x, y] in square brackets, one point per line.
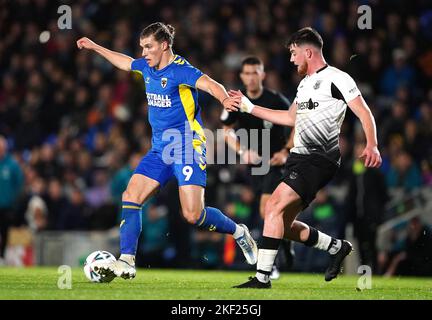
[41, 283]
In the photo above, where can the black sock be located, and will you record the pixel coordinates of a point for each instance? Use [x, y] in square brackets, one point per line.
[313, 237]
[269, 243]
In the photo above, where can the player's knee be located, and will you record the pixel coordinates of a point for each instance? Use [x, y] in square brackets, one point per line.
[272, 209]
[191, 216]
[130, 196]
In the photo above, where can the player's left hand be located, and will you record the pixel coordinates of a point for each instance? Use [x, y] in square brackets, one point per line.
[372, 157]
[86, 43]
[279, 158]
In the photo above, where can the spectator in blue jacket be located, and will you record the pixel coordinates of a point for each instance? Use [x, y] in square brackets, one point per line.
[11, 183]
[404, 173]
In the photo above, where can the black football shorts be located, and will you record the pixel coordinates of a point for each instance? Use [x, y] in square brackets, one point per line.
[307, 174]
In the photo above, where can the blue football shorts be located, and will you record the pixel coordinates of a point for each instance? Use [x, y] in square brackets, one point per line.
[189, 171]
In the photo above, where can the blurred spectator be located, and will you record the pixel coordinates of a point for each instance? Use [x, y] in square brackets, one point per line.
[426, 169]
[122, 176]
[208, 250]
[84, 166]
[397, 75]
[404, 173]
[76, 214]
[153, 241]
[365, 204]
[56, 203]
[11, 183]
[393, 126]
[415, 143]
[98, 194]
[36, 214]
[46, 164]
[415, 259]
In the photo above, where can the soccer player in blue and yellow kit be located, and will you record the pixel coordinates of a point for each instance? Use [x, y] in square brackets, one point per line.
[178, 143]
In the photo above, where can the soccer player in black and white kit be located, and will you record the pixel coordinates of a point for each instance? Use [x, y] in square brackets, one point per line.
[317, 114]
[252, 76]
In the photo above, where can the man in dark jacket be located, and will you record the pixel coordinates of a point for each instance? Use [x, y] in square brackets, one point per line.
[367, 195]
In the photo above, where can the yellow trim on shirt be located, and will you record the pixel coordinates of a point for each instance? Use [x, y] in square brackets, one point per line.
[188, 104]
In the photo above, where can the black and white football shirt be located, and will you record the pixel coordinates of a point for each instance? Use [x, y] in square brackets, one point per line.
[321, 105]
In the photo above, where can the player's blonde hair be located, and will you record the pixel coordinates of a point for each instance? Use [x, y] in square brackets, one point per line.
[160, 31]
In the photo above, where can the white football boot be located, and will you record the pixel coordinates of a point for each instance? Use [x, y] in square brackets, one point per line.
[248, 246]
[119, 268]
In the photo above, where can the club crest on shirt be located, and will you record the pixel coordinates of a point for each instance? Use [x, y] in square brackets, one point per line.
[164, 82]
[317, 84]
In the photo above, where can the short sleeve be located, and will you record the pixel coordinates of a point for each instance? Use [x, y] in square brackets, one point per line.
[139, 65]
[228, 118]
[188, 75]
[346, 85]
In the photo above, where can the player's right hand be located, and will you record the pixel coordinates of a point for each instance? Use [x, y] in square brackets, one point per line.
[371, 157]
[86, 43]
[231, 103]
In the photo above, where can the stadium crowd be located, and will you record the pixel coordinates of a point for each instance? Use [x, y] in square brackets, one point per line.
[73, 128]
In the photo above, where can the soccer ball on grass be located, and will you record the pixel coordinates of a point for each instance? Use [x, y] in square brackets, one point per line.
[91, 260]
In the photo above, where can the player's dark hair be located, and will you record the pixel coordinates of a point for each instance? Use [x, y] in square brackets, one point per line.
[306, 35]
[252, 60]
[160, 31]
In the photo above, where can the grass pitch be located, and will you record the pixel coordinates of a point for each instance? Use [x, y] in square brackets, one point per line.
[41, 283]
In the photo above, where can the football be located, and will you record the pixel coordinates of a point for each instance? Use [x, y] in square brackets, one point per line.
[97, 256]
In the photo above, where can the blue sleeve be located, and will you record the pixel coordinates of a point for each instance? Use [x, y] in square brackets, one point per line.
[188, 75]
[139, 65]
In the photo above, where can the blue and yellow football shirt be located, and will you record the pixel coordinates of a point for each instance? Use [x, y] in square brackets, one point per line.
[173, 106]
[172, 99]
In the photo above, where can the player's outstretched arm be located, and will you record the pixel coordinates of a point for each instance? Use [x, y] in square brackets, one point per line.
[119, 60]
[371, 154]
[281, 117]
[207, 84]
